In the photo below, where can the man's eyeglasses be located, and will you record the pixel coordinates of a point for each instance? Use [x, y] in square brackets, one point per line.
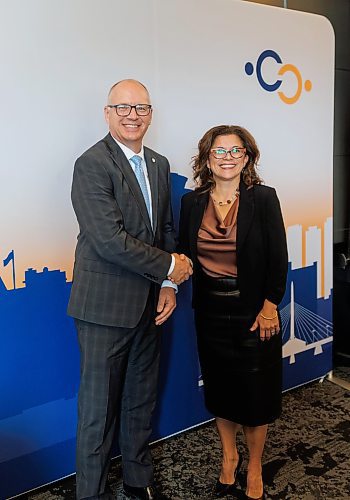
[125, 109]
[221, 153]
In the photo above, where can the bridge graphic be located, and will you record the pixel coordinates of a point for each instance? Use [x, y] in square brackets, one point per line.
[304, 329]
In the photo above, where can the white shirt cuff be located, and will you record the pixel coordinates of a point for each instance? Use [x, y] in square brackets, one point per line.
[172, 265]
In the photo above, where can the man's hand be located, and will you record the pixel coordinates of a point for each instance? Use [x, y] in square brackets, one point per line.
[166, 304]
[182, 270]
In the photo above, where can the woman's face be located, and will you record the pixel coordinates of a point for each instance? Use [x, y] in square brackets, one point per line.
[227, 158]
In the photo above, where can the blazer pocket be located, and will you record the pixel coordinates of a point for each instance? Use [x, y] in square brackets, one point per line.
[98, 266]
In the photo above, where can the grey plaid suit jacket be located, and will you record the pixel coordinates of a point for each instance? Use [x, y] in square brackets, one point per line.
[118, 254]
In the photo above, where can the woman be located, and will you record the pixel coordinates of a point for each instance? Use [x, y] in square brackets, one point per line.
[232, 228]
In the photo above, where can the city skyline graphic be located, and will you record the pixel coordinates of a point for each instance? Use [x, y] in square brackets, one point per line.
[303, 329]
[37, 333]
[306, 309]
[306, 319]
[305, 247]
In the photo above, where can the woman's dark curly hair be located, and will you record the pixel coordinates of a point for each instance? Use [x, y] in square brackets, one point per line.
[201, 173]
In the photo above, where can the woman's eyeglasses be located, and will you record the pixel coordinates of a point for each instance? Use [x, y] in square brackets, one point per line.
[221, 153]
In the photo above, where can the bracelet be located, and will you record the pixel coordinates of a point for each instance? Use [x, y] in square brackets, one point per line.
[265, 317]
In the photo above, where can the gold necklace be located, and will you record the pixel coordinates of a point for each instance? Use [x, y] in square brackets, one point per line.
[227, 202]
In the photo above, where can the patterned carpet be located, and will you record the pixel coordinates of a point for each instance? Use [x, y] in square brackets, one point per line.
[307, 455]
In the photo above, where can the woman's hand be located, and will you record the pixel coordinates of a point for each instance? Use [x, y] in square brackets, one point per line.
[267, 321]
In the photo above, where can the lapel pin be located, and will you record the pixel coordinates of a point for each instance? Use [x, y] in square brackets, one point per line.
[153, 159]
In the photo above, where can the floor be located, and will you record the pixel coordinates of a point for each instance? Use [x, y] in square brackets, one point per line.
[307, 455]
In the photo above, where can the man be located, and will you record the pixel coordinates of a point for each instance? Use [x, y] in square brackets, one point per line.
[120, 195]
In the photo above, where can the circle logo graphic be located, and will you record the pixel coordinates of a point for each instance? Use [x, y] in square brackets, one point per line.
[286, 68]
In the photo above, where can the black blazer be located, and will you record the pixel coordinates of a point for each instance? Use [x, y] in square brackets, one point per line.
[262, 260]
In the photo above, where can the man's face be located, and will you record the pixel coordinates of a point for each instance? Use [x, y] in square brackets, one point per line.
[128, 130]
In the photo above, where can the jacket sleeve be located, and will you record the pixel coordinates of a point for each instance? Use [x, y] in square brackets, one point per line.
[277, 255]
[100, 219]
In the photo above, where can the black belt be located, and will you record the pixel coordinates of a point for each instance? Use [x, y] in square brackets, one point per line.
[219, 286]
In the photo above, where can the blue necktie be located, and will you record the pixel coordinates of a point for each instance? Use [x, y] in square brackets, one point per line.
[140, 176]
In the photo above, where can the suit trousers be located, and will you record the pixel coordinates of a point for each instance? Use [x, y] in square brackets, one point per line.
[117, 395]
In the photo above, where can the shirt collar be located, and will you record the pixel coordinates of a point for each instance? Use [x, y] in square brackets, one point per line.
[128, 152]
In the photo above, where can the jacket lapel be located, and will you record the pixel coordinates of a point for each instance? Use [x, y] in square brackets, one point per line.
[245, 213]
[123, 164]
[195, 221]
[152, 169]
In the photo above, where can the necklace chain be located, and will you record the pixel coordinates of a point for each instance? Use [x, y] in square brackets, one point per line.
[227, 202]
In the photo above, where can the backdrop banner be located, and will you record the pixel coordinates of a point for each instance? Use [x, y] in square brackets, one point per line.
[206, 63]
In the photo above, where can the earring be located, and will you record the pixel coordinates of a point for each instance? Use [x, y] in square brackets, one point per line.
[209, 169]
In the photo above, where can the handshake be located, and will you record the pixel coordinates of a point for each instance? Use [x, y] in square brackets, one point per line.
[182, 270]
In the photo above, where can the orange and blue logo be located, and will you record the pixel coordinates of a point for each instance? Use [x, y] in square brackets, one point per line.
[286, 68]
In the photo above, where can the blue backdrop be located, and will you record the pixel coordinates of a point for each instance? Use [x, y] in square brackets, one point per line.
[39, 368]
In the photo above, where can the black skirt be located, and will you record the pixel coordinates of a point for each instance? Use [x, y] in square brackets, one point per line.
[242, 374]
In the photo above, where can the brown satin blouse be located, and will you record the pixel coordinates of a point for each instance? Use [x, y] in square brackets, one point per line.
[216, 243]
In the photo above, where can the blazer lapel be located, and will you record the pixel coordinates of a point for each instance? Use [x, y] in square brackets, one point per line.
[123, 164]
[152, 169]
[245, 213]
[195, 221]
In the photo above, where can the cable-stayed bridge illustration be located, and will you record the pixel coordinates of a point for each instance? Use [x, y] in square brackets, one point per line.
[304, 329]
